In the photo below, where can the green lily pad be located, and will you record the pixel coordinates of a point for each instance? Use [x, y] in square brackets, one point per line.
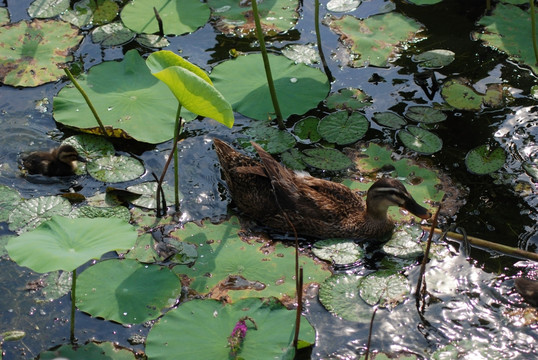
[389, 119]
[403, 243]
[127, 97]
[58, 285]
[47, 8]
[460, 94]
[343, 129]
[326, 159]
[4, 16]
[348, 99]
[339, 294]
[9, 200]
[112, 34]
[483, 160]
[205, 326]
[91, 350]
[343, 5]
[132, 293]
[293, 159]
[307, 129]
[434, 59]
[508, 28]
[65, 244]
[148, 190]
[104, 11]
[299, 87]
[118, 212]
[231, 268]
[384, 288]
[80, 15]
[115, 168]
[30, 213]
[236, 18]
[305, 54]
[43, 47]
[178, 17]
[376, 39]
[90, 147]
[152, 41]
[425, 114]
[143, 250]
[420, 140]
[272, 140]
[338, 251]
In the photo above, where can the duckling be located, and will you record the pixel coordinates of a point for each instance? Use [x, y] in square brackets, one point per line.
[61, 161]
[271, 194]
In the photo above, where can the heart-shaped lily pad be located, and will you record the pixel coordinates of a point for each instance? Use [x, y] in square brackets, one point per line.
[132, 293]
[338, 251]
[112, 34]
[348, 99]
[339, 294]
[115, 168]
[326, 159]
[89, 146]
[434, 59]
[425, 114]
[403, 243]
[483, 160]
[342, 128]
[389, 119]
[65, 244]
[384, 288]
[307, 129]
[147, 190]
[272, 140]
[420, 140]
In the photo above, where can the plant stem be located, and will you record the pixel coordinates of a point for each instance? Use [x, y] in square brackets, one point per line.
[533, 28]
[320, 48]
[177, 132]
[73, 307]
[267, 66]
[87, 99]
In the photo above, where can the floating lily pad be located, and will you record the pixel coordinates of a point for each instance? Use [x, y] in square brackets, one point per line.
[420, 140]
[4, 16]
[47, 8]
[305, 54]
[338, 251]
[425, 114]
[299, 87]
[43, 47]
[343, 5]
[118, 212]
[144, 250]
[307, 129]
[112, 34]
[293, 159]
[389, 119]
[205, 326]
[90, 147]
[339, 294]
[236, 18]
[9, 200]
[127, 97]
[91, 350]
[132, 293]
[348, 99]
[384, 288]
[376, 39]
[178, 17]
[115, 168]
[343, 129]
[434, 59]
[65, 244]
[460, 94]
[30, 213]
[148, 190]
[58, 285]
[326, 159]
[152, 41]
[404, 242]
[272, 140]
[483, 160]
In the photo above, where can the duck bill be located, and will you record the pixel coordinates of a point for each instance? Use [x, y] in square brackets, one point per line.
[414, 208]
[81, 159]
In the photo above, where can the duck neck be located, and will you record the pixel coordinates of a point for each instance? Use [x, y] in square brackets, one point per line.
[376, 210]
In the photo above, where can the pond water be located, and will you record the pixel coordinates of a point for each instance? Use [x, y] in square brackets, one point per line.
[475, 310]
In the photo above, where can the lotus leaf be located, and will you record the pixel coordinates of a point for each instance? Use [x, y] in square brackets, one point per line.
[375, 39]
[80, 15]
[90, 146]
[9, 200]
[299, 88]
[305, 54]
[127, 97]
[326, 159]
[65, 244]
[178, 17]
[261, 271]
[115, 169]
[384, 288]
[271, 139]
[143, 250]
[404, 242]
[191, 86]
[425, 114]
[338, 251]
[91, 350]
[461, 95]
[205, 325]
[132, 293]
[343, 129]
[112, 34]
[339, 294]
[43, 47]
[420, 140]
[508, 29]
[30, 213]
[58, 285]
[47, 8]
[237, 18]
[434, 59]
[348, 99]
[390, 120]
[483, 160]
[118, 212]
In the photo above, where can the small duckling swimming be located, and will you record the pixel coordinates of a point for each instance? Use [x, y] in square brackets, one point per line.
[61, 161]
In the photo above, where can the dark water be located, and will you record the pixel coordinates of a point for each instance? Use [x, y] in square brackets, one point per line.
[475, 305]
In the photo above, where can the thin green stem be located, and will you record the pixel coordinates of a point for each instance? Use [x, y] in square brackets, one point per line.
[73, 307]
[87, 99]
[320, 48]
[533, 29]
[177, 132]
[270, 83]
